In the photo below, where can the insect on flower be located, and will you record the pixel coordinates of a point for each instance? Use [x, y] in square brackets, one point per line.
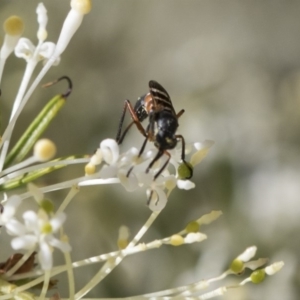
[162, 127]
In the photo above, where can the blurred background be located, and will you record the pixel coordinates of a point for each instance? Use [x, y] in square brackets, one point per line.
[234, 66]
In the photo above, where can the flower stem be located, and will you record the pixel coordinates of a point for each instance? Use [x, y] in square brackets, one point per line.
[45, 285]
[111, 264]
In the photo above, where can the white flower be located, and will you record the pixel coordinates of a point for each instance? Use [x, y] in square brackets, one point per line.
[25, 49]
[132, 170]
[9, 210]
[159, 191]
[44, 50]
[38, 230]
[185, 184]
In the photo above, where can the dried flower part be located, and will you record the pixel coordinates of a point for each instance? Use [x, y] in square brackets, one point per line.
[13, 26]
[55, 296]
[27, 266]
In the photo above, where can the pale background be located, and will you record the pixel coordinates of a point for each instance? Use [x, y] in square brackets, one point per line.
[234, 67]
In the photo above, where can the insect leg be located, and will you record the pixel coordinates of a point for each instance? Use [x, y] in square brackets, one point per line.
[178, 136]
[179, 114]
[157, 157]
[140, 153]
[164, 166]
[135, 119]
[119, 138]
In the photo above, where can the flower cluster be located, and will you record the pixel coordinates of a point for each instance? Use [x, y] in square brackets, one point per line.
[37, 230]
[129, 169]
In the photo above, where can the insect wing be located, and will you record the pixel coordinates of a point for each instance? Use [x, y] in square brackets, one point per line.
[160, 97]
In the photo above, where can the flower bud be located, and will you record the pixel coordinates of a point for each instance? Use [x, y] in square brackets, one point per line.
[89, 169]
[185, 171]
[258, 276]
[176, 240]
[237, 266]
[44, 149]
[13, 26]
[82, 6]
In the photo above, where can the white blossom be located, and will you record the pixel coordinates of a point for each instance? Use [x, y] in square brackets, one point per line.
[131, 169]
[38, 230]
[9, 210]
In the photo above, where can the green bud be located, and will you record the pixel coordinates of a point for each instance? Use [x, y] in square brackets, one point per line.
[193, 226]
[258, 276]
[237, 266]
[185, 170]
[47, 206]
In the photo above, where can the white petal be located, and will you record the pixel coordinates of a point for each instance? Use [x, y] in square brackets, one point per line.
[202, 150]
[56, 62]
[108, 172]
[158, 199]
[27, 242]
[185, 184]
[195, 237]
[210, 217]
[45, 256]
[57, 221]
[70, 26]
[9, 209]
[24, 48]
[274, 268]
[46, 50]
[63, 246]
[14, 227]
[31, 220]
[96, 159]
[204, 144]
[247, 254]
[8, 213]
[145, 178]
[129, 158]
[255, 264]
[42, 15]
[130, 183]
[110, 151]
[13, 201]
